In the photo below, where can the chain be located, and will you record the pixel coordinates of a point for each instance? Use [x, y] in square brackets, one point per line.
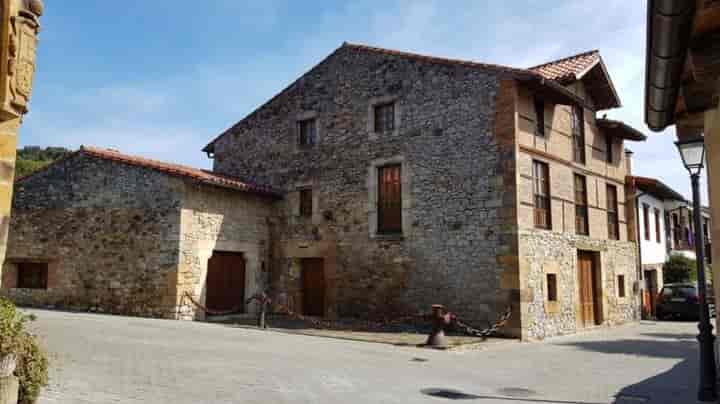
[368, 325]
[260, 297]
[502, 320]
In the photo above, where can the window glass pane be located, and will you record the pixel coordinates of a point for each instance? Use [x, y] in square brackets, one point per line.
[385, 117]
[306, 198]
[306, 131]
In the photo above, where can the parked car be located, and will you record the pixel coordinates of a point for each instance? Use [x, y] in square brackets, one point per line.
[680, 300]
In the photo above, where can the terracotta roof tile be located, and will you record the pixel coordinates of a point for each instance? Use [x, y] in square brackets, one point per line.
[203, 176]
[568, 69]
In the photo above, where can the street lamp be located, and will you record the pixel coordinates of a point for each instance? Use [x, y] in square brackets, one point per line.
[693, 155]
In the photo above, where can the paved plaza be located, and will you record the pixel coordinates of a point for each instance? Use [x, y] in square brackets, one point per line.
[108, 359]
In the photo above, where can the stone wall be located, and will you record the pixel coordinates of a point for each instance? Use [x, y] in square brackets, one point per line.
[216, 219]
[109, 232]
[543, 252]
[457, 201]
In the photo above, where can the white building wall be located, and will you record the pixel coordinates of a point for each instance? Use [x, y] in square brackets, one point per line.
[652, 251]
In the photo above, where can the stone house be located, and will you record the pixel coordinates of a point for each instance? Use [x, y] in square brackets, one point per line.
[402, 181]
[103, 231]
[412, 180]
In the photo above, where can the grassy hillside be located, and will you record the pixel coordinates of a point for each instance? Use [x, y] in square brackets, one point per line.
[31, 158]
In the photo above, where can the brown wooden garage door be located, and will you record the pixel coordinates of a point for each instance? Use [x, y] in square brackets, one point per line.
[226, 282]
[313, 287]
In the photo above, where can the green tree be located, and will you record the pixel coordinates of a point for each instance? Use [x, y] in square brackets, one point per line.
[33, 158]
[679, 268]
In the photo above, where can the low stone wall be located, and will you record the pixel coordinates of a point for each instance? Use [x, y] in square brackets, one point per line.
[543, 252]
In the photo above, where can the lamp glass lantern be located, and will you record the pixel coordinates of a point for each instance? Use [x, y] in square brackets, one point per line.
[693, 154]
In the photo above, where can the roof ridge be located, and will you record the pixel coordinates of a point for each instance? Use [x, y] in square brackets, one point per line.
[566, 58]
[198, 174]
[431, 58]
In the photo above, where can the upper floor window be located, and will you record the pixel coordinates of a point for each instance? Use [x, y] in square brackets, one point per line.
[581, 208]
[307, 132]
[677, 235]
[541, 191]
[385, 117]
[306, 202]
[612, 213]
[578, 135]
[539, 116]
[609, 148]
[390, 199]
[32, 275]
[706, 229]
[658, 236]
[646, 220]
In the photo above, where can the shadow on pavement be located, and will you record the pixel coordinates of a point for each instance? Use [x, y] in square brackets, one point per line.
[451, 394]
[676, 385]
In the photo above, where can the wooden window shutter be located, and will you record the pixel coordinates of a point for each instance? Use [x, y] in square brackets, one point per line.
[390, 199]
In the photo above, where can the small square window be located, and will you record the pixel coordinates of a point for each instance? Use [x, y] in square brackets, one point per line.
[307, 131]
[385, 117]
[552, 288]
[32, 275]
[306, 199]
[621, 285]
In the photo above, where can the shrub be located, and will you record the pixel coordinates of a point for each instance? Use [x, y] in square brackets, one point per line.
[32, 362]
[679, 268]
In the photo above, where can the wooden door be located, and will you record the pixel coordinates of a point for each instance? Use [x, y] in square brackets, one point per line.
[226, 282]
[313, 287]
[587, 284]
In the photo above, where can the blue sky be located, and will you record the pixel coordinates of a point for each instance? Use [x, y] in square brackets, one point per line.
[161, 78]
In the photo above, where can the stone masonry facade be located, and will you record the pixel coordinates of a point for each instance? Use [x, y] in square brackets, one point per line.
[461, 139]
[457, 207]
[127, 236]
[127, 239]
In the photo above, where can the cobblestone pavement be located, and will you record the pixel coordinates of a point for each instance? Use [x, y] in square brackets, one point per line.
[105, 359]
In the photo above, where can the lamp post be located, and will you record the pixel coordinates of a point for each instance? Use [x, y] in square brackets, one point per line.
[693, 156]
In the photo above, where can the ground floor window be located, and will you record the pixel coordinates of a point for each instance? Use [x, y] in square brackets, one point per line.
[32, 275]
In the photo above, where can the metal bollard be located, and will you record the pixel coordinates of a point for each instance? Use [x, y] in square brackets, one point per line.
[440, 320]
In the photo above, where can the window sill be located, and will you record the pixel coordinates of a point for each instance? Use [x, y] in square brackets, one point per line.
[388, 237]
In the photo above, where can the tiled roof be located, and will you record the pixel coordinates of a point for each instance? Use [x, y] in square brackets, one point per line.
[654, 187]
[203, 176]
[568, 69]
